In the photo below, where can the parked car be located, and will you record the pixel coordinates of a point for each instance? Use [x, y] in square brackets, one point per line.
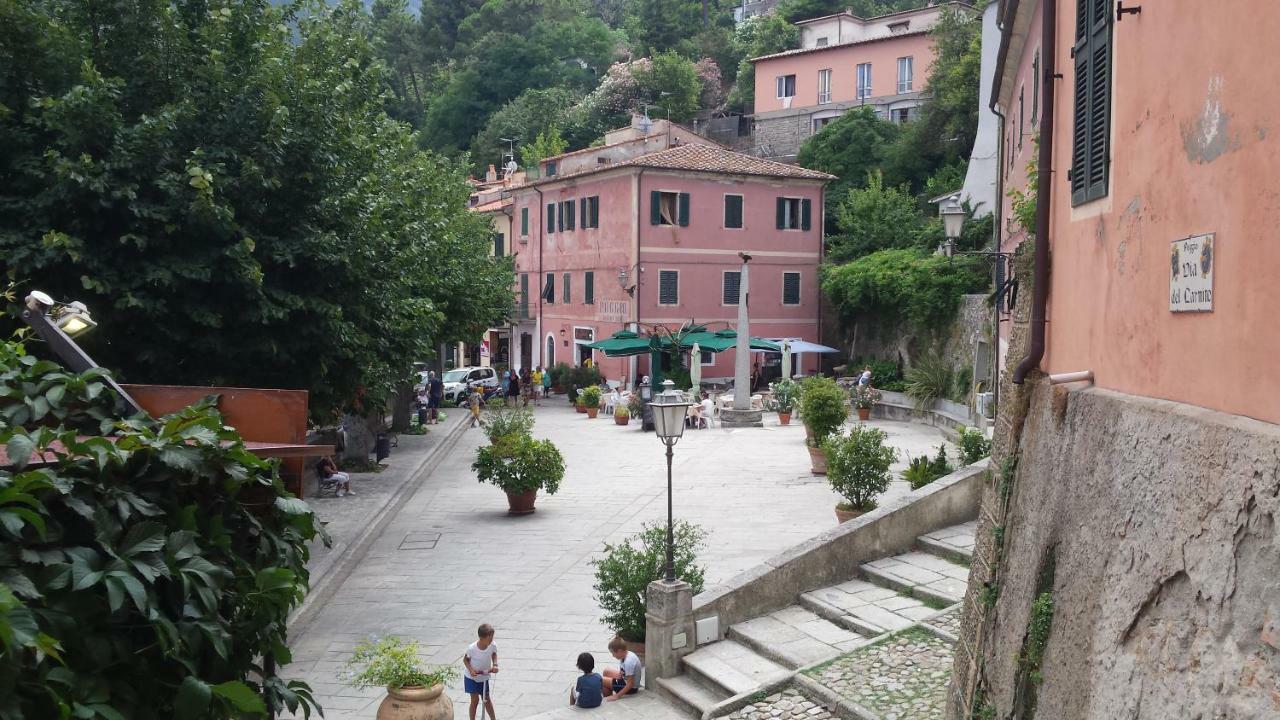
[457, 381]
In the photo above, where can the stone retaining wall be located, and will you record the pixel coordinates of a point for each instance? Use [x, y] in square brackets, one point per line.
[945, 415]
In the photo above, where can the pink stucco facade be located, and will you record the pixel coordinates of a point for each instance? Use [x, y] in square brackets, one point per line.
[843, 61]
[628, 251]
[1193, 150]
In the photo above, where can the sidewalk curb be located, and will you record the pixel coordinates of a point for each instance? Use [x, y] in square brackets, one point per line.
[341, 567]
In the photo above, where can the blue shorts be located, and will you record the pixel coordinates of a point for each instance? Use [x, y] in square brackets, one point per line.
[476, 687]
[619, 683]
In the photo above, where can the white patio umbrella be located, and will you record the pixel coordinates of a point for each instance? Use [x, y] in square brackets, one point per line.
[786, 359]
[695, 368]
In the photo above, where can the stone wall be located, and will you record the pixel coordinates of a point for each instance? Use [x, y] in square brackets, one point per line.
[881, 340]
[1153, 525]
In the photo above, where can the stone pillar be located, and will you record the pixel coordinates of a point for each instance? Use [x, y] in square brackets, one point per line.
[668, 627]
[741, 414]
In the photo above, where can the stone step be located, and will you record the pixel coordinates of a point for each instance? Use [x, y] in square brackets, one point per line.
[922, 575]
[690, 694]
[795, 636]
[954, 543]
[732, 667]
[866, 608]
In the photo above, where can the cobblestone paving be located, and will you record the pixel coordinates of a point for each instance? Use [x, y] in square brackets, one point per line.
[786, 705]
[904, 677]
[948, 620]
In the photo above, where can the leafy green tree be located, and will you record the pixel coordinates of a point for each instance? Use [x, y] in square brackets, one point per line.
[547, 144]
[227, 192]
[672, 84]
[875, 218]
[914, 285]
[796, 10]
[532, 113]
[754, 37]
[661, 25]
[852, 148]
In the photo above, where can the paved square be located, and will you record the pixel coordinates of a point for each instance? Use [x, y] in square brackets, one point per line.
[451, 558]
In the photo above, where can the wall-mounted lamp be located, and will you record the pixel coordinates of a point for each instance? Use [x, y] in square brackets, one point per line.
[56, 323]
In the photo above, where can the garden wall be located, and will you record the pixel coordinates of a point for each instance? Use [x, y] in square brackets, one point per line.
[882, 340]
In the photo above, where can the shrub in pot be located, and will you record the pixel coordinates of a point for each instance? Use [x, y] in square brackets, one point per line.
[786, 395]
[521, 466]
[858, 469]
[591, 400]
[621, 414]
[864, 398]
[626, 569]
[414, 690]
[500, 421]
[823, 409]
[560, 377]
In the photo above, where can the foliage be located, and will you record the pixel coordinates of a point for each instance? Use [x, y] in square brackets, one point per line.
[756, 36]
[621, 411]
[928, 381]
[624, 572]
[974, 445]
[635, 405]
[919, 288]
[532, 113]
[591, 396]
[923, 470]
[549, 143]
[885, 374]
[561, 375]
[500, 421]
[1024, 201]
[864, 397]
[584, 377]
[858, 465]
[673, 84]
[519, 463]
[786, 395]
[1038, 629]
[824, 406]
[962, 380]
[873, 218]
[394, 663]
[148, 569]
[229, 187]
[852, 148]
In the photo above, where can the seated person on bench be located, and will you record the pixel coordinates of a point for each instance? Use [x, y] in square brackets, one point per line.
[329, 475]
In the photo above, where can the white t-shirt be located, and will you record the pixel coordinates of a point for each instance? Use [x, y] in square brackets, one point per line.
[631, 666]
[481, 660]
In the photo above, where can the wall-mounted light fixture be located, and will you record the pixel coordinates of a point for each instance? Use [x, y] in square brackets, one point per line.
[57, 323]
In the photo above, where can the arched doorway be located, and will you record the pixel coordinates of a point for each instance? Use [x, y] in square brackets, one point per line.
[549, 358]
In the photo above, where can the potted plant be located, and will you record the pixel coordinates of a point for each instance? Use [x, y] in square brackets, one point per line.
[858, 469]
[865, 398]
[500, 422]
[823, 408]
[591, 399]
[414, 690]
[578, 403]
[521, 466]
[786, 394]
[625, 570]
[621, 414]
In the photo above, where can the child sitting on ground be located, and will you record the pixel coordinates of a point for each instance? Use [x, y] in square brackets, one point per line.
[589, 691]
[626, 679]
[481, 663]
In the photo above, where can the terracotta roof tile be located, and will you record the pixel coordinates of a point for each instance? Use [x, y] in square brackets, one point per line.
[702, 158]
[492, 205]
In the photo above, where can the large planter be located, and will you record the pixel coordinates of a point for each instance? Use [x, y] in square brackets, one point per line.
[818, 460]
[416, 703]
[622, 419]
[784, 418]
[844, 516]
[521, 503]
[592, 412]
[580, 408]
[864, 414]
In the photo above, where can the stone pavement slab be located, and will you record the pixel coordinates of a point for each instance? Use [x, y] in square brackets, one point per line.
[903, 677]
[645, 706]
[789, 704]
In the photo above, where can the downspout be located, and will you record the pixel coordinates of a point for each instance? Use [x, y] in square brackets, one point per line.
[1044, 194]
[542, 226]
[998, 211]
[822, 245]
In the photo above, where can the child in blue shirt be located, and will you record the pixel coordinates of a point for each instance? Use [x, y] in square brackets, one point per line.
[589, 691]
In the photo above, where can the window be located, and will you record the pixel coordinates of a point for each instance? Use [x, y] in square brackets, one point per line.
[589, 288]
[567, 297]
[899, 27]
[733, 211]
[821, 42]
[549, 290]
[668, 287]
[668, 208]
[819, 123]
[824, 87]
[786, 86]
[707, 358]
[499, 244]
[524, 221]
[1022, 107]
[551, 168]
[1092, 121]
[794, 213]
[589, 209]
[567, 215]
[864, 81]
[1035, 88]
[906, 74]
[551, 218]
[790, 288]
[901, 115]
[731, 287]
[524, 296]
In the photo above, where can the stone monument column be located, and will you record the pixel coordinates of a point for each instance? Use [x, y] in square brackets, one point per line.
[741, 414]
[669, 629]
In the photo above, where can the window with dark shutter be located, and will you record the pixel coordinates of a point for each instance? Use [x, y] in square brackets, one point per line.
[793, 214]
[684, 209]
[551, 217]
[1090, 154]
[806, 214]
[732, 286]
[524, 296]
[524, 221]
[733, 211]
[595, 211]
[549, 290]
[589, 288]
[665, 208]
[567, 212]
[499, 244]
[668, 287]
[790, 288]
[1035, 89]
[567, 297]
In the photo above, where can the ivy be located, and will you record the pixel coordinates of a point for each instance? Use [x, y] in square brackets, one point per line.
[907, 283]
[148, 567]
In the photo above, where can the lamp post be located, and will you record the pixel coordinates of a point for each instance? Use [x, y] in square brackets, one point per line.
[669, 409]
[57, 323]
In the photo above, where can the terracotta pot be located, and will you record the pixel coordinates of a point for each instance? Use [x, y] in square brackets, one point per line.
[784, 418]
[818, 459]
[580, 408]
[416, 703]
[622, 420]
[592, 412]
[521, 503]
[845, 516]
[864, 414]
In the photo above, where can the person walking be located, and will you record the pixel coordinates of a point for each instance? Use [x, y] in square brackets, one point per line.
[513, 390]
[526, 385]
[535, 379]
[546, 383]
[435, 395]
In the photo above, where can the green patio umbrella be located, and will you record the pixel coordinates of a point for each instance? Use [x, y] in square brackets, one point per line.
[623, 343]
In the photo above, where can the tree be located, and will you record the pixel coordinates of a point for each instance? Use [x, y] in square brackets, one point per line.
[672, 83]
[547, 144]
[914, 285]
[754, 37]
[521, 120]
[852, 148]
[875, 218]
[227, 193]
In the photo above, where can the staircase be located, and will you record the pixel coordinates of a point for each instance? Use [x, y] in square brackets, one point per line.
[844, 637]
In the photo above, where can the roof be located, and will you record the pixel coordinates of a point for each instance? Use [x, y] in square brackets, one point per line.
[837, 46]
[492, 205]
[701, 158]
[908, 11]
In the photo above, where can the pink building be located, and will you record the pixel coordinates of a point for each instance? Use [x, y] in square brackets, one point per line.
[843, 62]
[646, 231]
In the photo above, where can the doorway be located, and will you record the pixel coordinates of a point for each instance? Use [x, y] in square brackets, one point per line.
[526, 351]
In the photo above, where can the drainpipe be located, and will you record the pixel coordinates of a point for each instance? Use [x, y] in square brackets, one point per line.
[998, 212]
[822, 245]
[542, 225]
[1044, 194]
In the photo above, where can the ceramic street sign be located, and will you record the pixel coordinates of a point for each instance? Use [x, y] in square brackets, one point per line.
[1191, 274]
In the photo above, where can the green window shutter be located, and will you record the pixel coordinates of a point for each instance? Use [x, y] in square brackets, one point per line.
[655, 208]
[1091, 114]
[589, 287]
[806, 211]
[684, 209]
[732, 287]
[549, 292]
[551, 217]
[568, 297]
[782, 213]
[585, 220]
[595, 211]
[524, 296]
[668, 287]
[733, 211]
[790, 288]
[524, 221]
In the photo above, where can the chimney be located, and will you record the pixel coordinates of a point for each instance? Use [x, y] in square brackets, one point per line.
[491, 175]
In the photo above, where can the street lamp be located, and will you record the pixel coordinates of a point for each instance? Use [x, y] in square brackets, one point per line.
[669, 410]
[953, 217]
